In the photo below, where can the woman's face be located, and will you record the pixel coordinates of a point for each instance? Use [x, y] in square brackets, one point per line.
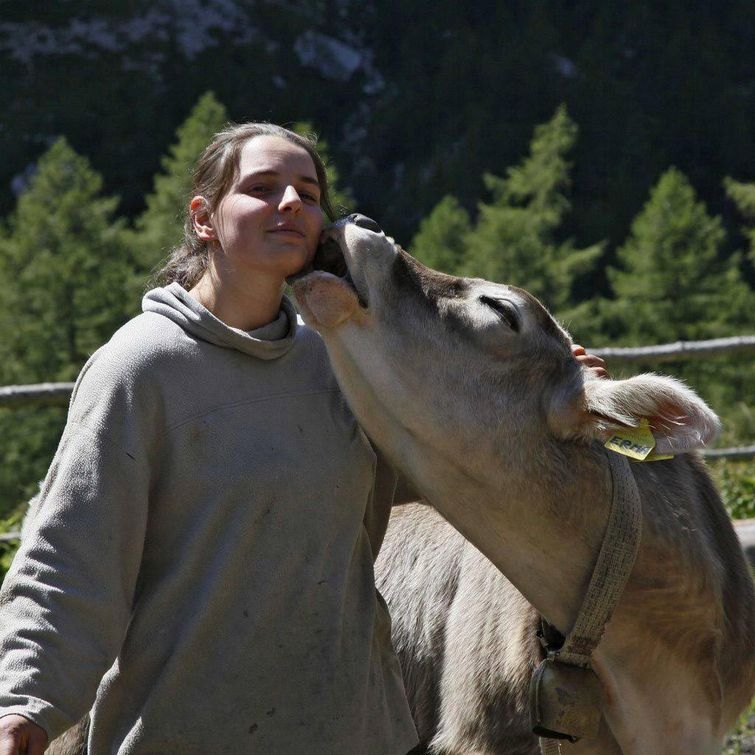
[270, 220]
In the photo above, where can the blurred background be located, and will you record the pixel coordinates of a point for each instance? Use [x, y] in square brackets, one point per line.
[599, 153]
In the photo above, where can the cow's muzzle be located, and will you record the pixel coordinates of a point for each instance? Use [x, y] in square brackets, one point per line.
[330, 257]
[363, 222]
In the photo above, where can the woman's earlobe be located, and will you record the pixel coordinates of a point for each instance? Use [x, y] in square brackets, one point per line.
[201, 219]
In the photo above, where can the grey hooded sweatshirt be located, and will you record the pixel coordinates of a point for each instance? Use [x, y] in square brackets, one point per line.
[198, 567]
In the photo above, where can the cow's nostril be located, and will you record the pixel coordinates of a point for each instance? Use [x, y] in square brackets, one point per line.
[364, 222]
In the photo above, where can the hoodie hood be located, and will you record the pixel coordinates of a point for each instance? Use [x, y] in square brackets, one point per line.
[268, 342]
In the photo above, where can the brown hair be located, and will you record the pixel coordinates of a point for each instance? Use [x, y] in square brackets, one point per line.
[213, 175]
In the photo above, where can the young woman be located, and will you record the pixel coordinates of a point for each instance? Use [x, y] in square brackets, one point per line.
[198, 571]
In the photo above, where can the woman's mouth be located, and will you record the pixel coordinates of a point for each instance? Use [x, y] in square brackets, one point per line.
[287, 229]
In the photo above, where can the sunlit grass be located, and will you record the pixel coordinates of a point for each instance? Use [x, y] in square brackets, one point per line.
[741, 741]
[735, 481]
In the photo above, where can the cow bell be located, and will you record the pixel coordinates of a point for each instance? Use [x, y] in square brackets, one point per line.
[565, 701]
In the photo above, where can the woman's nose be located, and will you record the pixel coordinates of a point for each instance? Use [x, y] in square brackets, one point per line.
[364, 222]
[290, 199]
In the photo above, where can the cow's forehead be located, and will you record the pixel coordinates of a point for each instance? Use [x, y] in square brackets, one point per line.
[409, 273]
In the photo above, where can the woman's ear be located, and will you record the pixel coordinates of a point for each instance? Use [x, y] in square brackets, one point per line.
[201, 219]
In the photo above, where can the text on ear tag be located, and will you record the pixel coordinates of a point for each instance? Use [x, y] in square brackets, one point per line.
[635, 442]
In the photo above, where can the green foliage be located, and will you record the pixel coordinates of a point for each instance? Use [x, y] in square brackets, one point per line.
[160, 227]
[64, 254]
[442, 237]
[736, 483]
[741, 739]
[66, 268]
[7, 552]
[672, 283]
[8, 548]
[516, 237]
[743, 195]
[445, 92]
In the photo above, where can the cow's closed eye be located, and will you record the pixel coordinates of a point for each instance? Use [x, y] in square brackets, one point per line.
[505, 309]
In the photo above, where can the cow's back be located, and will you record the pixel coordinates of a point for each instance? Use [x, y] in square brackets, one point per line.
[464, 635]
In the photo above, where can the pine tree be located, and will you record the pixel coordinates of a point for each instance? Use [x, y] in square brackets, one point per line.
[442, 237]
[515, 239]
[671, 284]
[160, 227]
[65, 268]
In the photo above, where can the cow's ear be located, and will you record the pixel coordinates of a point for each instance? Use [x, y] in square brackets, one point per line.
[678, 418]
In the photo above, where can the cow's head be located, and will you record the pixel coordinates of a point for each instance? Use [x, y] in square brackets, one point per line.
[467, 366]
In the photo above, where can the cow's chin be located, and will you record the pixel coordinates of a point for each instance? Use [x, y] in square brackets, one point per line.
[326, 300]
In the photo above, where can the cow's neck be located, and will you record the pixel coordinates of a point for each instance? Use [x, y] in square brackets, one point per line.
[543, 534]
[541, 528]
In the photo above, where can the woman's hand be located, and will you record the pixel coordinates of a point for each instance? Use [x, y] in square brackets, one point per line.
[593, 363]
[20, 736]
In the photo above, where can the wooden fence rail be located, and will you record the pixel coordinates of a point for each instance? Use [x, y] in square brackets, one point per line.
[41, 394]
[51, 394]
[678, 351]
[686, 351]
[742, 452]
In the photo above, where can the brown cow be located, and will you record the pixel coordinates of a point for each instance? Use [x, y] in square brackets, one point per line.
[471, 390]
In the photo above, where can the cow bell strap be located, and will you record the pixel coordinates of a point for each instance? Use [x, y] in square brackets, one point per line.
[573, 713]
[612, 568]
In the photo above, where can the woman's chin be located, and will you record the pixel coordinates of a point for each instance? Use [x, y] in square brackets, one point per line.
[284, 262]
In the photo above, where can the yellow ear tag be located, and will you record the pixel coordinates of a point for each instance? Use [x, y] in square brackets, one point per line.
[658, 457]
[635, 442]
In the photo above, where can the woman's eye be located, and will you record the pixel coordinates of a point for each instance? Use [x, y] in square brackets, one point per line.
[505, 309]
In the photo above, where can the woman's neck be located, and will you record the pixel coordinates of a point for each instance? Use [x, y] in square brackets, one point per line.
[244, 305]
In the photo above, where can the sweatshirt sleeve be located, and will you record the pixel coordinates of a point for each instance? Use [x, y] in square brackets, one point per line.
[66, 601]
